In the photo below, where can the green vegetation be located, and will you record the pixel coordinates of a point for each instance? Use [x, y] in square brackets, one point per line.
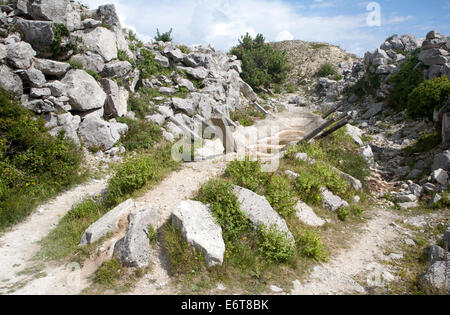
[325, 70]
[34, 166]
[109, 273]
[64, 239]
[142, 135]
[274, 245]
[317, 46]
[368, 85]
[262, 66]
[246, 117]
[291, 88]
[310, 245]
[60, 31]
[184, 49]
[425, 143]
[281, 196]
[143, 170]
[428, 96]
[139, 102]
[164, 37]
[411, 74]
[246, 174]
[149, 67]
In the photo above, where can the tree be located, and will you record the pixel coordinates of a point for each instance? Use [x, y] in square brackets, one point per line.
[262, 66]
[165, 37]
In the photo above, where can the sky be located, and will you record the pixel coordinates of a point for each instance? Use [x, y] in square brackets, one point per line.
[356, 26]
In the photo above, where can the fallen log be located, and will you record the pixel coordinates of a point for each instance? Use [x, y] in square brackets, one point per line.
[335, 128]
[332, 110]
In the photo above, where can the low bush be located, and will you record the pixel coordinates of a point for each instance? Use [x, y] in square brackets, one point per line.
[281, 195]
[246, 117]
[218, 193]
[34, 166]
[142, 135]
[411, 75]
[164, 37]
[326, 70]
[246, 174]
[309, 244]
[428, 96]
[109, 273]
[425, 143]
[262, 66]
[274, 245]
[139, 171]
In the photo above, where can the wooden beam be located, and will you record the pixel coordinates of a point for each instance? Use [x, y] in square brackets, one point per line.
[335, 128]
[332, 110]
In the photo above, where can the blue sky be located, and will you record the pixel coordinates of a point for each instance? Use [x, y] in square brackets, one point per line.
[340, 22]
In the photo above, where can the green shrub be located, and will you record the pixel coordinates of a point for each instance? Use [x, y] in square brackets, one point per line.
[316, 177]
[428, 96]
[281, 196]
[291, 88]
[343, 213]
[246, 174]
[76, 64]
[274, 245]
[182, 259]
[425, 143]
[33, 165]
[60, 31]
[262, 66]
[164, 37]
[246, 116]
[218, 193]
[141, 135]
[139, 171]
[184, 49]
[368, 85]
[109, 273]
[310, 245]
[152, 235]
[410, 75]
[326, 70]
[149, 67]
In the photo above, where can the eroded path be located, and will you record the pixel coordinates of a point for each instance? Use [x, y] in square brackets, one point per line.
[19, 246]
[356, 267]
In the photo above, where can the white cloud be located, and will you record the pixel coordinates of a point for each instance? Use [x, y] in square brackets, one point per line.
[284, 35]
[222, 22]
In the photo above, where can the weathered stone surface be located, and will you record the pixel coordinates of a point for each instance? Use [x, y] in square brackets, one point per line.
[260, 212]
[406, 198]
[433, 56]
[440, 176]
[40, 92]
[199, 73]
[442, 161]
[20, 55]
[34, 78]
[331, 201]
[51, 67]
[101, 41]
[97, 133]
[157, 119]
[367, 153]
[186, 84]
[56, 87]
[40, 34]
[355, 133]
[67, 123]
[307, 215]
[166, 111]
[200, 230]
[162, 60]
[39, 106]
[83, 90]
[117, 69]
[436, 253]
[436, 278]
[167, 90]
[90, 61]
[174, 54]
[117, 98]
[248, 92]
[50, 10]
[134, 250]
[9, 81]
[185, 105]
[109, 223]
[3, 52]
[374, 109]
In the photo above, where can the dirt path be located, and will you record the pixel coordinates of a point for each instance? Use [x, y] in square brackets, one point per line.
[356, 267]
[18, 246]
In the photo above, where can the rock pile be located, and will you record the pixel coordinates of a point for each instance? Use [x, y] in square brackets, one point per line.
[77, 68]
